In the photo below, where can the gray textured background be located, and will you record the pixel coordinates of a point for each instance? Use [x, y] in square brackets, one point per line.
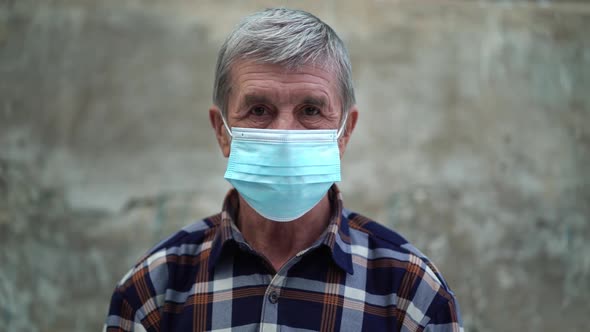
[473, 141]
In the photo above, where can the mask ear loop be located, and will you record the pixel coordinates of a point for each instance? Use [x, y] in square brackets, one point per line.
[342, 126]
[225, 124]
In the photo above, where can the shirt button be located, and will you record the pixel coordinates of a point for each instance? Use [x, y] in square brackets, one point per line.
[273, 297]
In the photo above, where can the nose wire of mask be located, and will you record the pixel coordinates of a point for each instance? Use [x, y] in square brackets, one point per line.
[282, 174]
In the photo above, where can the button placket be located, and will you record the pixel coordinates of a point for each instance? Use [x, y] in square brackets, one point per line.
[270, 306]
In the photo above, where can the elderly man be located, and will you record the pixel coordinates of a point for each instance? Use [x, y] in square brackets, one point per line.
[283, 254]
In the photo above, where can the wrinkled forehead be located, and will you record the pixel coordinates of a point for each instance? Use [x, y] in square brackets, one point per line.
[323, 66]
[241, 71]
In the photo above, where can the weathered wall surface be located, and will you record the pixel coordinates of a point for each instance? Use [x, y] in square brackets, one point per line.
[473, 141]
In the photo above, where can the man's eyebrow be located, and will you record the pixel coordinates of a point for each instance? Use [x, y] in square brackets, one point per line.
[315, 101]
[251, 99]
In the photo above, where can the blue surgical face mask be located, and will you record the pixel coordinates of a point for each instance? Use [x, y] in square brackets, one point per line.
[282, 174]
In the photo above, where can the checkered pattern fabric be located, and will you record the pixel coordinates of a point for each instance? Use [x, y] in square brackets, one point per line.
[359, 276]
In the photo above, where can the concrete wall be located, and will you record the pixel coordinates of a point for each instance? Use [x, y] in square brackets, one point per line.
[473, 141]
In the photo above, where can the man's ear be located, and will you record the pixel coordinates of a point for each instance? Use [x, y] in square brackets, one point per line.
[353, 115]
[220, 132]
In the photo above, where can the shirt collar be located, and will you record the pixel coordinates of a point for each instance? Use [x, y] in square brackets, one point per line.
[336, 236]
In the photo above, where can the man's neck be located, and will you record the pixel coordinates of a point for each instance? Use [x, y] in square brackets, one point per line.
[278, 242]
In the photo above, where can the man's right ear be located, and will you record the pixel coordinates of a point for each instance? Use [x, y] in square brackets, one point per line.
[220, 132]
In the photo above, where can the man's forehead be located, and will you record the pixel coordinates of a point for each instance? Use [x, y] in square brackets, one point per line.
[251, 66]
[253, 83]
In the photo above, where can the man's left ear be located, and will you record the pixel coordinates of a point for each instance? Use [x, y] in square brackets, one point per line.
[353, 115]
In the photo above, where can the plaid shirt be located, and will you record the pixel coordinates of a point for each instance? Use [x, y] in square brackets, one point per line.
[359, 276]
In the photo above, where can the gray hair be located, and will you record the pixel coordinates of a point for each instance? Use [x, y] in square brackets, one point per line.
[287, 37]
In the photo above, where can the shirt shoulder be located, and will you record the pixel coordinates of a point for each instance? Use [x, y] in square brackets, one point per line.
[139, 295]
[190, 240]
[178, 256]
[385, 242]
[396, 267]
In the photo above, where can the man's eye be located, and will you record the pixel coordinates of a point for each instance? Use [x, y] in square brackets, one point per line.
[311, 111]
[258, 111]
